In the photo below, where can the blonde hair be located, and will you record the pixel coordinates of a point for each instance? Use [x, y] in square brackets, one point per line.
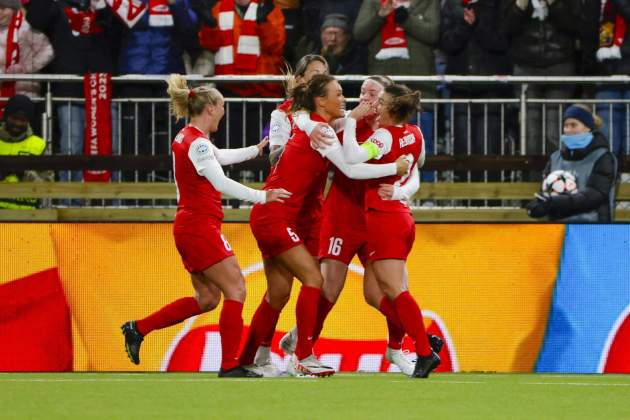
[188, 102]
[290, 76]
[597, 120]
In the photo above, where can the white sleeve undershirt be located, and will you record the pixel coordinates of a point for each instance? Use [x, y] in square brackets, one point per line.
[279, 128]
[354, 153]
[201, 154]
[334, 153]
[406, 191]
[232, 156]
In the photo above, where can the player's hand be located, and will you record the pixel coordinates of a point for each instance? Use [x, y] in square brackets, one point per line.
[361, 111]
[278, 195]
[386, 8]
[386, 191]
[322, 136]
[264, 142]
[402, 165]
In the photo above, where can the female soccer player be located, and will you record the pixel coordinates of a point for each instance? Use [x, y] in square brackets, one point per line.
[390, 225]
[344, 235]
[206, 254]
[288, 251]
[281, 124]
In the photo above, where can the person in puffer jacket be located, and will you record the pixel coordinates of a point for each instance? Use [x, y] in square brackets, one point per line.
[542, 37]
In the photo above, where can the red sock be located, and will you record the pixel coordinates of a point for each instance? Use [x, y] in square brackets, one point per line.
[171, 314]
[263, 324]
[230, 328]
[394, 326]
[411, 318]
[306, 314]
[323, 309]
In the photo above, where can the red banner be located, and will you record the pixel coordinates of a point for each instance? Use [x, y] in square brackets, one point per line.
[97, 89]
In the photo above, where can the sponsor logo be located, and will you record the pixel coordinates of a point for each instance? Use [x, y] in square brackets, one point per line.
[394, 41]
[377, 143]
[407, 140]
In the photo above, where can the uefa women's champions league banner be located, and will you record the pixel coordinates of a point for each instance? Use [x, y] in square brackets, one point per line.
[506, 298]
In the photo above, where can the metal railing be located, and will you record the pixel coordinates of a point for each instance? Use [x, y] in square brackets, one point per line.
[463, 126]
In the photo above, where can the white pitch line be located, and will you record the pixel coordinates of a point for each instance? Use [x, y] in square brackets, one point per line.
[574, 384]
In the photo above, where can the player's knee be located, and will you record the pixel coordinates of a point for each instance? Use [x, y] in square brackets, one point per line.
[372, 300]
[208, 302]
[279, 297]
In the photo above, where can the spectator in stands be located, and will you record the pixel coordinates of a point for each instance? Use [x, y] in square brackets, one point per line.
[85, 37]
[248, 39]
[344, 56]
[470, 37]
[29, 50]
[583, 152]
[17, 138]
[614, 56]
[153, 44]
[315, 11]
[542, 36]
[401, 37]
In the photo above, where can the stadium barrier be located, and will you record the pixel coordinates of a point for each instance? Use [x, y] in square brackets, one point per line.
[506, 298]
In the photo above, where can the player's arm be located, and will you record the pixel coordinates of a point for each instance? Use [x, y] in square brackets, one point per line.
[334, 153]
[319, 133]
[201, 154]
[406, 191]
[379, 143]
[232, 156]
[279, 129]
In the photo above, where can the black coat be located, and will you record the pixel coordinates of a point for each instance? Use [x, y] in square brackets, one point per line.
[545, 43]
[595, 194]
[479, 49]
[75, 54]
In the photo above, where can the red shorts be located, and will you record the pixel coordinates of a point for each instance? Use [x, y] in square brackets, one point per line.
[276, 235]
[390, 235]
[338, 242]
[201, 245]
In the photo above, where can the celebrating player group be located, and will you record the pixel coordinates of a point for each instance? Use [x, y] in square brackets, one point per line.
[375, 155]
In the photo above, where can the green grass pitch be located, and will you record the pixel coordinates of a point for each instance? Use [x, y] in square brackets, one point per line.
[344, 396]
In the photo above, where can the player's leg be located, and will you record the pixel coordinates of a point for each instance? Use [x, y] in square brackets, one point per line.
[299, 261]
[391, 276]
[207, 297]
[226, 276]
[256, 351]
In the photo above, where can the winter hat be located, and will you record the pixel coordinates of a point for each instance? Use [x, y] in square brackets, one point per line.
[20, 104]
[336, 20]
[10, 4]
[581, 115]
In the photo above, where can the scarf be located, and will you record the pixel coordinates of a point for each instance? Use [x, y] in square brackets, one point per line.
[393, 38]
[82, 22]
[612, 30]
[248, 49]
[131, 11]
[12, 56]
[577, 141]
[97, 89]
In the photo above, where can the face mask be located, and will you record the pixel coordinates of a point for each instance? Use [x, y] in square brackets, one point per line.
[577, 141]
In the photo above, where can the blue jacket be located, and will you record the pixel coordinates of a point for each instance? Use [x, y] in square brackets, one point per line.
[158, 50]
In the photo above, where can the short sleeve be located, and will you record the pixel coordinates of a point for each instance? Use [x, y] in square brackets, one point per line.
[200, 151]
[382, 139]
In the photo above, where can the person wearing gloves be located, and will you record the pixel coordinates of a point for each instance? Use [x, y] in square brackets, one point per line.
[584, 152]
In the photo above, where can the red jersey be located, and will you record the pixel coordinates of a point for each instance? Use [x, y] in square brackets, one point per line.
[286, 108]
[393, 141]
[346, 197]
[301, 170]
[195, 195]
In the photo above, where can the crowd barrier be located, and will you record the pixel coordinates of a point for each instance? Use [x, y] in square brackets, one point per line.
[505, 298]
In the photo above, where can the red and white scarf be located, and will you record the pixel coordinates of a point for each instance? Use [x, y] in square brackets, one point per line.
[248, 49]
[131, 11]
[12, 54]
[97, 88]
[393, 37]
[612, 31]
